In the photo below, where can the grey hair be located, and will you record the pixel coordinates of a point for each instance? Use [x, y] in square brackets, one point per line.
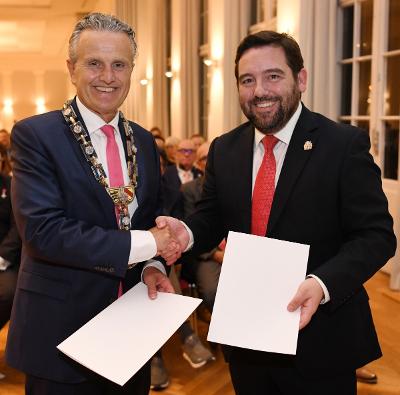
[100, 22]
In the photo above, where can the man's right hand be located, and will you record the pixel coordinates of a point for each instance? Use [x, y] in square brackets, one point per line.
[180, 233]
[167, 245]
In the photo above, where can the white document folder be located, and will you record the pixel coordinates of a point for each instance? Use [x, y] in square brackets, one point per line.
[123, 337]
[259, 277]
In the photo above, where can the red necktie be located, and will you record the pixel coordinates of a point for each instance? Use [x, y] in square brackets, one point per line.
[115, 175]
[264, 188]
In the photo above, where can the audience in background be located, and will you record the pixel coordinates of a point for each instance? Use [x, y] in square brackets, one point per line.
[158, 136]
[5, 139]
[171, 145]
[197, 139]
[160, 141]
[203, 270]
[175, 176]
[156, 131]
[10, 243]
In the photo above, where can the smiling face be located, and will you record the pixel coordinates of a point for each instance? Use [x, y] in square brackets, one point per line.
[102, 71]
[268, 92]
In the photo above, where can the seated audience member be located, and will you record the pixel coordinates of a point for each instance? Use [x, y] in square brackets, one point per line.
[197, 139]
[203, 270]
[193, 349]
[5, 139]
[175, 176]
[10, 243]
[170, 146]
[163, 160]
[160, 141]
[156, 131]
[158, 136]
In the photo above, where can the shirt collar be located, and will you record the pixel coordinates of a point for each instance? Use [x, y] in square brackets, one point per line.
[93, 121]
[285, 134]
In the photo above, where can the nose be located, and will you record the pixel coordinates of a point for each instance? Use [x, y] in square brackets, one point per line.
[107, 74]
[261, 88]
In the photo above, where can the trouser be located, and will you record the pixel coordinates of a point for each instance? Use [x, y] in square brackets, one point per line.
[139, 384]
[286, 380]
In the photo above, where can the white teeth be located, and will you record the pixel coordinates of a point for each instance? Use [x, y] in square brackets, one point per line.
[265, 104]
[104, 89]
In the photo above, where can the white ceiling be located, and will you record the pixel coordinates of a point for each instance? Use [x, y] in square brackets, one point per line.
[39, 26]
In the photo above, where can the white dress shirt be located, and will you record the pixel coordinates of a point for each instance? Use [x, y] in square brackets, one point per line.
[184, 175]
[143, 244]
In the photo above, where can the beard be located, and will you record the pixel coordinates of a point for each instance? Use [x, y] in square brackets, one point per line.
[267, 123]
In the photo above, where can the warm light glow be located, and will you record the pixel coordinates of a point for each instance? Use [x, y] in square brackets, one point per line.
[8, 106]
[169, 74]
[144, 82]
[40, 105]
[208, 62]
[288, 17]
[217, 51]
[288, 27]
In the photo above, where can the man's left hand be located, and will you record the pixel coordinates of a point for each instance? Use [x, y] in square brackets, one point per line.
[308, 297]
[156, 281]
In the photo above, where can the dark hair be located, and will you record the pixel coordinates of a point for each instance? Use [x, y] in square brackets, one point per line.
[292, 51]
[158, 137]
[5, 164]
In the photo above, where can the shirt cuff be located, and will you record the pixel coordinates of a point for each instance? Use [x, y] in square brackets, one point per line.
[327, 297]
[158, 265]
[191, 239]
[143, 246]
[4, 264]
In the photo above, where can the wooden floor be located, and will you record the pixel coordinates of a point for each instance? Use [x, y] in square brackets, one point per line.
[213, 379]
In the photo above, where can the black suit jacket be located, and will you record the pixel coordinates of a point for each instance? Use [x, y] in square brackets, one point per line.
[74, 256]
[329, 197]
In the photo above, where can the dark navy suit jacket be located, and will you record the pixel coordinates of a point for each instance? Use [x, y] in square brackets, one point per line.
[73, 254]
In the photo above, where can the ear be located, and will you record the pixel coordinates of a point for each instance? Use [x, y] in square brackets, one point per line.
[302, 80]
[71, 69]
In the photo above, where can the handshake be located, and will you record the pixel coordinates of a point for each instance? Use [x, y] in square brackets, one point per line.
[172, 238]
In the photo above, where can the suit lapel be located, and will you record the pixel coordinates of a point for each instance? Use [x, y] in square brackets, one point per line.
[242, 171]
[296, 158]
[107, 206]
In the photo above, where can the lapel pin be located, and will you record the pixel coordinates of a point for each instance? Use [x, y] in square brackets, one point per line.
[307, 145]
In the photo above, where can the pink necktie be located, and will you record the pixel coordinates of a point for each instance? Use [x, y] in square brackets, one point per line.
[115, 175]
[264, 188]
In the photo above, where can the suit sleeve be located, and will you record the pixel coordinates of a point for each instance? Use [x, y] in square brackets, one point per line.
[39, 203]
[368, 238]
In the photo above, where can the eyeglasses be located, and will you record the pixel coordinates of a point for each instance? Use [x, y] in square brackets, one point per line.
[186, 151]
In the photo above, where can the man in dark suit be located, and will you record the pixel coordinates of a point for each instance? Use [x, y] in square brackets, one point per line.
[174, 176]
[328, 194]
[86, 187]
